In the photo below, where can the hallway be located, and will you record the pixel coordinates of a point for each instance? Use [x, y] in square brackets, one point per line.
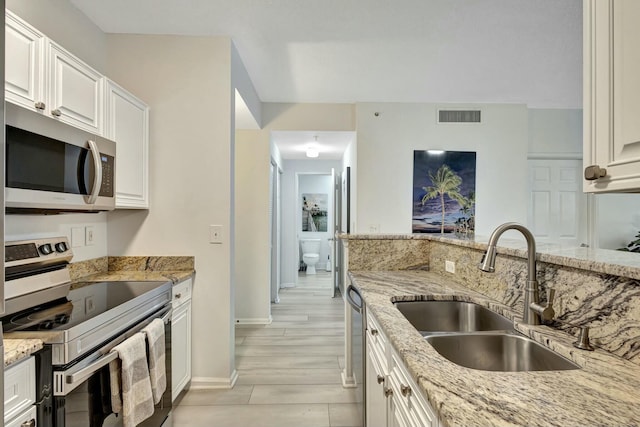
[289, 371]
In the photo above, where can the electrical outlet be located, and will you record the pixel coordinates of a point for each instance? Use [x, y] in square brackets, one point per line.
[215, 234]
[89, 306]
[374, 228]
[89, 236]
[450, 266]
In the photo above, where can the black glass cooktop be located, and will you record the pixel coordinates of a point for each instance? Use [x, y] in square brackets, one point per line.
[83, 302]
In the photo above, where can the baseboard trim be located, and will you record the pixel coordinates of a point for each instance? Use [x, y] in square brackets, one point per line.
[287, 285]
[348, 382]
[203, 383]
[255, 321]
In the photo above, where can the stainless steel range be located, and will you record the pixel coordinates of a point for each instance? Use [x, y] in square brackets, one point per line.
[79, 324]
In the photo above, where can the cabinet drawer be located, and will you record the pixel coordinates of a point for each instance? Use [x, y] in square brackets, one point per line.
[182, 292]
[19, 388]
[409, 394]
[375, 336]
[27, 418]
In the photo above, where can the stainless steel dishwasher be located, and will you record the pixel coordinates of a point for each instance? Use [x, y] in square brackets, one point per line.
[354, 360]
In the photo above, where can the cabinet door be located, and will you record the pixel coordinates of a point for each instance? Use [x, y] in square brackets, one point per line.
[19, 388]
[27, 418]
[24, 67]
[376, 406]
[127, 123]
[180, 348]
[612, 93]
[75, 91]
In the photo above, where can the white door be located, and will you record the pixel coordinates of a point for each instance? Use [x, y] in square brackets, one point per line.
[274, 231]
[557, 206]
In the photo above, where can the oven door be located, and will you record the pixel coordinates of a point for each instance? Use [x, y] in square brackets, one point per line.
[82, 395]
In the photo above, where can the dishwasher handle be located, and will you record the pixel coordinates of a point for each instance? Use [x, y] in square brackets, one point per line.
[357, 307]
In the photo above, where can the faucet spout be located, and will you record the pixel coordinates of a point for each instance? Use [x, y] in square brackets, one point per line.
[532, 309]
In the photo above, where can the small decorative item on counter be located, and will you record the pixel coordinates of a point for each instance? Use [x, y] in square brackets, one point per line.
[633, 246]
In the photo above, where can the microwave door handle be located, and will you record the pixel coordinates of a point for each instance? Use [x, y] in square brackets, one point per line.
[97, 178]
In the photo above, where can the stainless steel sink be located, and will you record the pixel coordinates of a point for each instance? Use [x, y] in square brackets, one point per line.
[451, 316]
[505, 352]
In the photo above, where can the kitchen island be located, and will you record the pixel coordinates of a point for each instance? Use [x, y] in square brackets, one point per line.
[604, 391]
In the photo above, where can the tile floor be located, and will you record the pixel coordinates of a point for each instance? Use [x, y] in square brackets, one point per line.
[289, 371]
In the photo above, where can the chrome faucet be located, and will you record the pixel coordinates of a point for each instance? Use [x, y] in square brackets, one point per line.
[533, 312]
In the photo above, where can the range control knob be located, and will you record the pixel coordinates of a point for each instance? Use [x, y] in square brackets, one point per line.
[45, 249]
[61, 247]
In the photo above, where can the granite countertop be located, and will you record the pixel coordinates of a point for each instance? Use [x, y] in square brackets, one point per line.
[605, 391]
[18, 349]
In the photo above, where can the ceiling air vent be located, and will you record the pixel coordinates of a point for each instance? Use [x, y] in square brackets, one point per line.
[458, 116]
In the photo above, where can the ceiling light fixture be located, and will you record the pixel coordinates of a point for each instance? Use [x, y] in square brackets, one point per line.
[312, 150]
[435, 151]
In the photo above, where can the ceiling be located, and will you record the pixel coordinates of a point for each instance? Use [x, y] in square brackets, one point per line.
[346, 51]
[330, 145]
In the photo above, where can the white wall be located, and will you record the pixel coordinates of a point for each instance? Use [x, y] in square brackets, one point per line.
[385, 161]
[62, 22]
[618, 219]
[291, 222]
[555, 131]
[191, 173]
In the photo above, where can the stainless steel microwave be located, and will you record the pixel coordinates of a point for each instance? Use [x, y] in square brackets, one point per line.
[52, 167]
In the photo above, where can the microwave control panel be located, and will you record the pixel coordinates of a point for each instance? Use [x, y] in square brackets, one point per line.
[108, 175]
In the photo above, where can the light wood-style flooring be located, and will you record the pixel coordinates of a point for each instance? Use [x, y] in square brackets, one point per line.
[289, 371]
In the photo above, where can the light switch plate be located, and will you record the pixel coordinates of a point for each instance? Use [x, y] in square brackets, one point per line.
[215, 234]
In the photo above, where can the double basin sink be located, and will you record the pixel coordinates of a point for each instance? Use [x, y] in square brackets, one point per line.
[475, 337]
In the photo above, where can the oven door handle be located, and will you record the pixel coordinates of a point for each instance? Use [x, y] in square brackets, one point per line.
[65, 381]
[79, 377]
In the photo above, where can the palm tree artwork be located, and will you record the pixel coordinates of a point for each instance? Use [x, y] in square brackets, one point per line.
[444, 185]
[444, 182]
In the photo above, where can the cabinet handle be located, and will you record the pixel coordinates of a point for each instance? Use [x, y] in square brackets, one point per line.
[40, 105]
[374, 332]
[380, 379]
[56, 113]
[405, 389]
[593, 172]
[30, 423]
[387, 391]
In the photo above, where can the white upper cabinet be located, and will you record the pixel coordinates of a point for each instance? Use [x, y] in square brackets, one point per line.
[127, 123]
[24, 70]
[75, 90]
[611, 95]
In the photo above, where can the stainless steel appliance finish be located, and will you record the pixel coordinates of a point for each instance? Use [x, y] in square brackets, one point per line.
[54, 167]
[358, 365]
[2, 165]
[79, 329]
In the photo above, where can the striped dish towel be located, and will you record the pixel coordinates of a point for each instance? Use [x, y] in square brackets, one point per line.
[129, 378]
[155, 342]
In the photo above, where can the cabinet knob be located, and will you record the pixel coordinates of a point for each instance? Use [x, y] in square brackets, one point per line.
[380, 379]
[387, 391]
[593, 172]
[405, 389]
[178, 295]
[56, 113]
[30, 423]
[374, 332]
[40, 106]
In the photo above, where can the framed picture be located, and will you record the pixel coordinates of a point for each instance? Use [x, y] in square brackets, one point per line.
[444, 192]
[314, 211]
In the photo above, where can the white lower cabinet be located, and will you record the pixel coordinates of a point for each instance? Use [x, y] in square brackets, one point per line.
[393, 399]
[181, 338]
[20, 393]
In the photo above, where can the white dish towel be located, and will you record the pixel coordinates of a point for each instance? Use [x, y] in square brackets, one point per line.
[130, 384]
[157, 372]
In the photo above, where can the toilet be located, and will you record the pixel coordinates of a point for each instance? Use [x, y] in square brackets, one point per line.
[310, 253]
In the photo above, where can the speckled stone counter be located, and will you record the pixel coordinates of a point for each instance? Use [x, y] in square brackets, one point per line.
[134, 268]
[604, 392]
[18, 349]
